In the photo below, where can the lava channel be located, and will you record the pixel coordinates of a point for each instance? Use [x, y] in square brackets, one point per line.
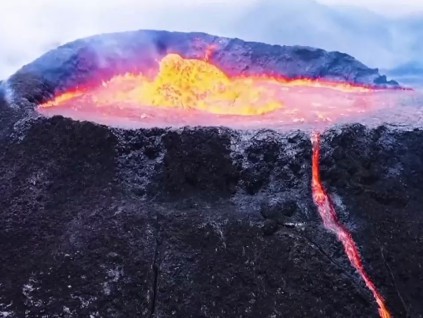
[331, 222]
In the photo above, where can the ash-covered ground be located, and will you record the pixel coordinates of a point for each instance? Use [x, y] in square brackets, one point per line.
[201, 222]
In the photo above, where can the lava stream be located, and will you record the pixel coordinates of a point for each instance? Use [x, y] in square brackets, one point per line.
[331, 222]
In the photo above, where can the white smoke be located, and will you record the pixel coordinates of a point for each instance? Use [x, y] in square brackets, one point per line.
[30, 28]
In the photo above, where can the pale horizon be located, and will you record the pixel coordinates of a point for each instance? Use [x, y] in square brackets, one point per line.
[389, 8]
[29, 29]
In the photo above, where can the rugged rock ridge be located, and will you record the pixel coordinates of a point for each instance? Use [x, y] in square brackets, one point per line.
[102, 56]
[205, 222]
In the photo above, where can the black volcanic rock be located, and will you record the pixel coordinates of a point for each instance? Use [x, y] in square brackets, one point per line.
[206, 222]
[97, 58]
[378, 173]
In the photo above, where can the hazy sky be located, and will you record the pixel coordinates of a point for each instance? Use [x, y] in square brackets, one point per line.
[392, 8]
[30, 27]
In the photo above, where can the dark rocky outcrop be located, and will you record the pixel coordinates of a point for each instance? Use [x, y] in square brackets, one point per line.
[378, 173]
[204, 222]
[97, 58]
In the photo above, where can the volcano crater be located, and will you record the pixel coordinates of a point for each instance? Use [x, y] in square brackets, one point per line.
[101, 218]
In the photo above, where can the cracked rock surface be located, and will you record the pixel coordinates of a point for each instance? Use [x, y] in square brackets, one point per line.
[378, 173]
[203, 222]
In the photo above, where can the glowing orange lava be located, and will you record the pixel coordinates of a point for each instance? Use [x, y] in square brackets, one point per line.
[182, 92]
[193, 84]
[184, 84]
[332, 223]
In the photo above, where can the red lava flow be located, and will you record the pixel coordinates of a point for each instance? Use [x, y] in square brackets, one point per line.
[331, 222]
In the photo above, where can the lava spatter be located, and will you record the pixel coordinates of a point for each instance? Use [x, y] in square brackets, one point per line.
[331, 222]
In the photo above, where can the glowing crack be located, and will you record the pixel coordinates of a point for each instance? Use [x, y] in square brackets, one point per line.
[331, 222]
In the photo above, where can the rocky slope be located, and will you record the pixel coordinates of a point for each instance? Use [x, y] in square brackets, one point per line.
[207, 222]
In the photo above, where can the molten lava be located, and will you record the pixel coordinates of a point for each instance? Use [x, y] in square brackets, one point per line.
[184, 84]
[195, 92]
[198, 85]
[332, 223]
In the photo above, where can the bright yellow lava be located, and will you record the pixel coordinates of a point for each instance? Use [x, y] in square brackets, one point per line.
[196, 84]
[184, 84]
[192, 84]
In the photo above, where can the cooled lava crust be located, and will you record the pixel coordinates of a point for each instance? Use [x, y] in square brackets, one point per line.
[200, 222]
